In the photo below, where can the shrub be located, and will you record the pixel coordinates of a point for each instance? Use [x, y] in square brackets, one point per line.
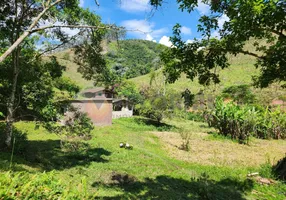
[185, 136]
[160, 105]
[242, 121]
[239, 93]
[197, 117]
[76, 128]
[22, 185]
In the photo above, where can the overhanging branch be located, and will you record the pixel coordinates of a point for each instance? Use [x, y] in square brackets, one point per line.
[72, 26]
[27, 33]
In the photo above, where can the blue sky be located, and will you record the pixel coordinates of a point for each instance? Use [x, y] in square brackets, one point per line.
[136, 15]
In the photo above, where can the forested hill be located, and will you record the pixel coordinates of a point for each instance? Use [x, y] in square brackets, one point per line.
[127, 58]
[132, 58]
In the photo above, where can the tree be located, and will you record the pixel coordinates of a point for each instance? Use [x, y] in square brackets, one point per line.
[45, 18]
[248, 20]
[128, 89]
[158, 103]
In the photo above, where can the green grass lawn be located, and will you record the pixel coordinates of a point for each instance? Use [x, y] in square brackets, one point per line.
[214, 168]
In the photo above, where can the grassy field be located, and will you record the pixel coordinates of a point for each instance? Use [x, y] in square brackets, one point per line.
[156, 168]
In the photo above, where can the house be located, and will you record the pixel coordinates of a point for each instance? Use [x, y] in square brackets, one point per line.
[122, 108]
[101, 106]
[97, 104]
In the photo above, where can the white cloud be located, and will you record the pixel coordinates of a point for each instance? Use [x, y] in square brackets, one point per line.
[143, 29]
[189, 41]
[221, 21]
[203, 8]
[185, 30]
[149, 37]
[81, 3]
[165, 41]
[215, 34]
[134, 5]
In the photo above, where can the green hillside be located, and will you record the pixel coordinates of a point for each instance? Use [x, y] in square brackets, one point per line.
[240, 72]
[132, 58]
[127, 58]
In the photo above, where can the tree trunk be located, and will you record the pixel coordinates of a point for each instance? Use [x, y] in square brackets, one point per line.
[11, 101]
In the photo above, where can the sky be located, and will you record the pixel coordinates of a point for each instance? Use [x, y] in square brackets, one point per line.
[143, 22]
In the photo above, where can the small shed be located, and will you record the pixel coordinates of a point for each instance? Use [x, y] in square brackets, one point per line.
[122, 108]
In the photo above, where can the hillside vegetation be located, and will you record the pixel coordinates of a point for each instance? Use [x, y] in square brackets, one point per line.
[126, 58]
[240, 72]
[136, 58]
[132, 58]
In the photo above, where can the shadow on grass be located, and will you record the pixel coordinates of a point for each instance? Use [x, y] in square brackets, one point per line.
[45, 154]
[160, 126]
[48, 155]
[165, 187]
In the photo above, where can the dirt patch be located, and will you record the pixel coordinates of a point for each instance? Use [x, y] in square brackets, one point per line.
[223, 152]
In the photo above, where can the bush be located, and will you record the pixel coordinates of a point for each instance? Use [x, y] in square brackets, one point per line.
[76, 128]
[22, 185]
[158, 105]
[239, 93]
[240, 122]
[197, 117]
[185, 136]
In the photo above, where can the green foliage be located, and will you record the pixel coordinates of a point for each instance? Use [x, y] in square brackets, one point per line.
[185, 136]
[132, 58]
[75, 129]
[188, 98]
[266, 170]
[239, 93]
[241, 122]
[129, 90]
[40, 89]
[247, 20]
[22, 185]
[92, 64]
[158, 105]
[195, 116]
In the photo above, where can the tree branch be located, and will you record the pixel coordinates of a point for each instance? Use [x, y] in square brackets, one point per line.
[70, 26]
[249, 53]
[57, 46]
[280, 34]
[26, 33]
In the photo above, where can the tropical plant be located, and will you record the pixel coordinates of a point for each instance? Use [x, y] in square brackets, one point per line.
[241, 122]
